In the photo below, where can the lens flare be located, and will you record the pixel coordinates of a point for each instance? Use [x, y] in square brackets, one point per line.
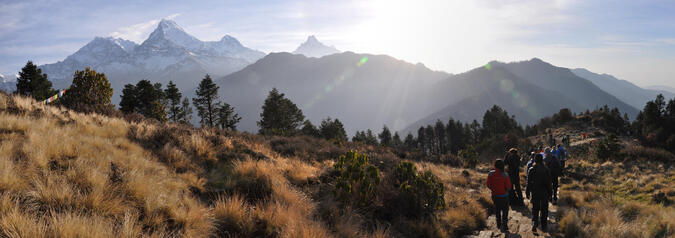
[487, 66]
[362, 61]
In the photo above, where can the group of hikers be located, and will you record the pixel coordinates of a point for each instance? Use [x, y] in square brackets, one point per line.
[544, 168]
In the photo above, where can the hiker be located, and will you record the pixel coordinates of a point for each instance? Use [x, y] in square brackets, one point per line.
[553, 166]
[512, 160]
[551, 140]
[498, 181]
[539, 190]
[530, 163]
[562, 157]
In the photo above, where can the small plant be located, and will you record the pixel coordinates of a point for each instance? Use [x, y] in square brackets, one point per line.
[470, 156]
[357, 180]
[423, 192]
[608, 148]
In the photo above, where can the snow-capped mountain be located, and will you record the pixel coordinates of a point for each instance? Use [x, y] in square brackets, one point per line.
[7, 83]
[313, 48]
[169, 53]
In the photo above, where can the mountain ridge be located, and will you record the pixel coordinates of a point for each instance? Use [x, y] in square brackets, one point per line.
[168, 54]
[626, 91]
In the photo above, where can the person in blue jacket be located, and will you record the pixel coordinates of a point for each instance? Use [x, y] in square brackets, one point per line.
[562, 157]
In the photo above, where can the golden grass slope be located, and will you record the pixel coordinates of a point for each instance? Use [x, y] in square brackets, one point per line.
[68, 174]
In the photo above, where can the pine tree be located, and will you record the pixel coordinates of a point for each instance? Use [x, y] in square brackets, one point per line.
[90, 92]
[129, 102]
[150, 100]
[173, 97]
[32, 82]
[185, 115]
[359, 136]
[396, 141]
[439, 130]
[309, 129]
[226, 117]
[332, 130]
[370, 138]
[409, 143]
[279, 116]
[205, 102]
[385, 136]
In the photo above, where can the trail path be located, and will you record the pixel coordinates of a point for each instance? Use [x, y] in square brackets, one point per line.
[520, 224]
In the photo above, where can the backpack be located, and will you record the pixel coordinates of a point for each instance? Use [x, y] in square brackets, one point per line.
[554, 166]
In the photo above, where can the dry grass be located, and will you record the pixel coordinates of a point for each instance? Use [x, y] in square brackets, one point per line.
[618, 199]
[68, 174]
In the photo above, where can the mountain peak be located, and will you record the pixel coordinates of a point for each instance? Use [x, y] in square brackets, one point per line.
[312, 47]
[169, 30]
[312, 39]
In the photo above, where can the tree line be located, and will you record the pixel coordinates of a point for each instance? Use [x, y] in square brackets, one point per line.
[91, 92]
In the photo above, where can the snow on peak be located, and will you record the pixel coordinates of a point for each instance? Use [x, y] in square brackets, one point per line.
[168, 30]
[312, 47]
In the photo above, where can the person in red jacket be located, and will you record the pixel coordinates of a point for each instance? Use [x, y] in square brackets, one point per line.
[498, 181]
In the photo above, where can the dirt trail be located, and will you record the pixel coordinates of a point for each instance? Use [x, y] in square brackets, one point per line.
[520, 224]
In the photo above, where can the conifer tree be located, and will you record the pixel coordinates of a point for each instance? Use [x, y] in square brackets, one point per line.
[185, 115]
[32, 82]
[89, 92]
[440, 132]
[359, 136]
[309, 129]
[205, 102]
[129, 102]
[332, 130]
[385, 136]
[396, 141]
[173, 97]
[226, 117]
[370, 138]
[279, 116]
[409, 142]
[150, 100]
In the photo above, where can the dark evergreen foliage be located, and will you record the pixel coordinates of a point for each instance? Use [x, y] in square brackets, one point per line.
[90, 92]
[279, 116]
[205, 102]
[332, 130]
[173, 96]
[32, 82]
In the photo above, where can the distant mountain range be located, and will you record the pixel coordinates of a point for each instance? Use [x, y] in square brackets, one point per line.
[7, 83]
[169, 53]
[622, 89]
[661, 88]
[313, 48]
[364, 91]
[528, 89]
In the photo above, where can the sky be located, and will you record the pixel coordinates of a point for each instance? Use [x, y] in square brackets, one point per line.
[632, 40]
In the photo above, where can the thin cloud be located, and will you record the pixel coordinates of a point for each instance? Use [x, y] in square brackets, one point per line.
[140, 31]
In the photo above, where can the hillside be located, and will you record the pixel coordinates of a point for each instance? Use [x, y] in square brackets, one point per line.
[562, 80]
[364, 91]
[622, 89]
[529, 90]
[496, 86]
[98, 176]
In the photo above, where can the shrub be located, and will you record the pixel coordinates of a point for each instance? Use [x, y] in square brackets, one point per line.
[571, 225]
[423, 193]
[469, 155]
[608, 148]
[357, 180]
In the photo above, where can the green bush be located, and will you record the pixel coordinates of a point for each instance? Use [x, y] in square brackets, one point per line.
[357, 180]
[608, 148]
[422, 193]
[470, 156]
